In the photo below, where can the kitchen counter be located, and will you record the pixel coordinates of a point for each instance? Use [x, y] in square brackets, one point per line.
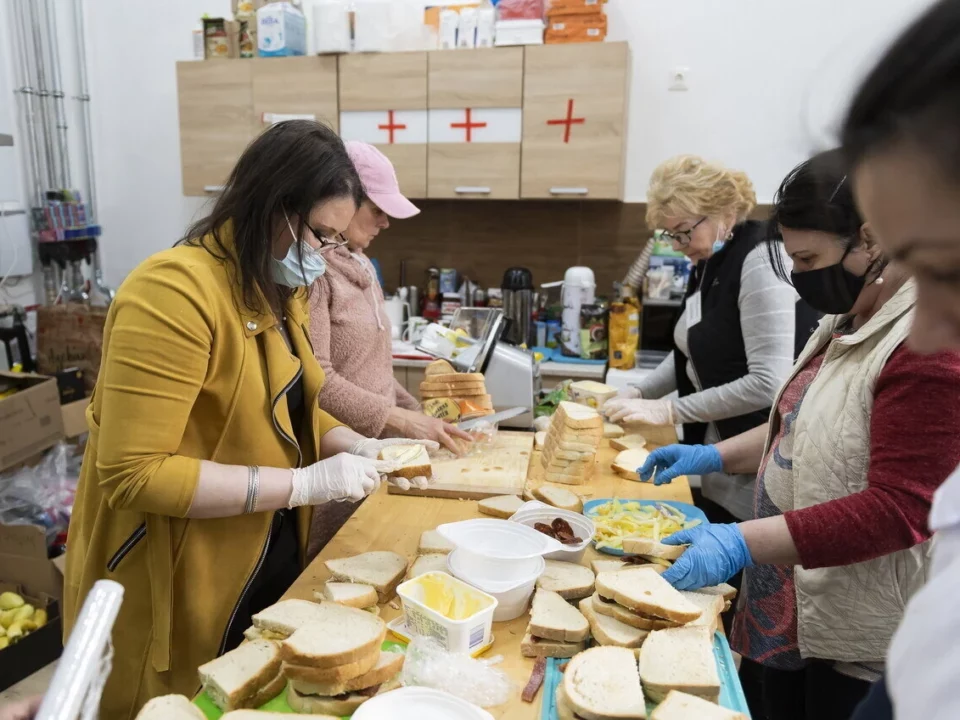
[394, 522]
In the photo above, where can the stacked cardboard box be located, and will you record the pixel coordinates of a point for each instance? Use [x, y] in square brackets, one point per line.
[575, 21]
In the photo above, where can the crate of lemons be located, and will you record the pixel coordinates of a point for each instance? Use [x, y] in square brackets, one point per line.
[18, 618]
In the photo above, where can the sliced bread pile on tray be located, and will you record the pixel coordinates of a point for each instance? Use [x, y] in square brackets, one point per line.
[453, 396]
[570, 448]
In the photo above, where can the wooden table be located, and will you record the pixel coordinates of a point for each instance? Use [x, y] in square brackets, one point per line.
[394, 522]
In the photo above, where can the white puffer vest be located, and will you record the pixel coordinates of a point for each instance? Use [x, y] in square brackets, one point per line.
[847, 613]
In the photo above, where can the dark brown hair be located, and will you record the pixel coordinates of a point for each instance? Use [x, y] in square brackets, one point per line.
[289, 168]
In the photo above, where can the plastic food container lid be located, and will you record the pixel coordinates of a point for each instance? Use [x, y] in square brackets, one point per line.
[418, 703]
[499, 539]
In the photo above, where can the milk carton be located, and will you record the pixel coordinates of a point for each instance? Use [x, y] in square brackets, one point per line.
[281, 30]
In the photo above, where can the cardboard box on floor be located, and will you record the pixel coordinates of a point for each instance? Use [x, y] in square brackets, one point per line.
[30, 419]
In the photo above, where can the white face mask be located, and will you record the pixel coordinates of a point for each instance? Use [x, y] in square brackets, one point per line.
[288, 271]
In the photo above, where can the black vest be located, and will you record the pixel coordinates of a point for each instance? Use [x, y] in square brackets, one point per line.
[715, 343]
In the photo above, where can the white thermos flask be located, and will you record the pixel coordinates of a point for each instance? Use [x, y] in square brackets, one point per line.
[579, 289]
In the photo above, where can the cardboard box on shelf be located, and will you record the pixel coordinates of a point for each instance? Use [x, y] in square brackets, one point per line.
[30, 418]
[36, 649]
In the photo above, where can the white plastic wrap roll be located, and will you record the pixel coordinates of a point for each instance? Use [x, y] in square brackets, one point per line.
[82, 671]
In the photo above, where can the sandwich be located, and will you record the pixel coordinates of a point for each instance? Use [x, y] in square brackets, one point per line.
[433, 542]
[307, 681]
[651, 548]
[409, 461]
[427, 563]
[532, 646]
[569, 580]
[381, 569]
[501, 506]
[607, 630]
[603, 565]
[628, 617]
[612, 430]
[679, 659]
[355, 595]
[564, 711]
[337, 706]
[727, 592]
[681, 706]
[602, 684]
[644, 591]
[342, 635]
[246, 677]
[710, 605]
[170, 707]
[627, 463]
[553, 618]
[266, 715]
[282, 619]
[628, 442]
[591, 393]
[559, 498]
[439, 367]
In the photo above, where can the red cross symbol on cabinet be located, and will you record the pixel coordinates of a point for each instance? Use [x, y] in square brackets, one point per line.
[468, 125]
[391, 127]
[568, 121]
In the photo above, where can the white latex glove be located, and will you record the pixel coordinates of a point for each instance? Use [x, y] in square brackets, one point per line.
[371, 447]
[419, 483]
[651, 412]
[631, 392]
[341, 477]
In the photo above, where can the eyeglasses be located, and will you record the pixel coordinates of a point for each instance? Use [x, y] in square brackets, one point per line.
[683, 237]
[325, 242]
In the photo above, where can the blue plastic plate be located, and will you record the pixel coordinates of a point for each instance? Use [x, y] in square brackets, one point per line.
[691, 512]
[731, 691]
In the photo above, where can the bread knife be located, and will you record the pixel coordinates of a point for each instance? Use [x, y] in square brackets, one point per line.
[495, 418]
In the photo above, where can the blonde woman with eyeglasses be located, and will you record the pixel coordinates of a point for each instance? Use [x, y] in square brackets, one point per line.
[740, 329]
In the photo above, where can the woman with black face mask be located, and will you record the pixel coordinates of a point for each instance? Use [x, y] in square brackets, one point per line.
[859, 437]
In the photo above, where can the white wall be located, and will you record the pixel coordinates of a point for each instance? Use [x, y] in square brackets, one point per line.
[768, 81]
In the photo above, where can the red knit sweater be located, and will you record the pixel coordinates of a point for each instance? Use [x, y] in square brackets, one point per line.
[914, 446]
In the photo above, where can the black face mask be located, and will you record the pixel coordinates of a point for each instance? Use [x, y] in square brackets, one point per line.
[832, 290]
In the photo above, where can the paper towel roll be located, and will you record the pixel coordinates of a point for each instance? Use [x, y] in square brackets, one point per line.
[331, 26]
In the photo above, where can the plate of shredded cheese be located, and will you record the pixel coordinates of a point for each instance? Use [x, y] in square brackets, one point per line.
[616, 519]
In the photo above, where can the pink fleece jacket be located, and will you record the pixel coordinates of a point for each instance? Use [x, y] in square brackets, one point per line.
[351, 339]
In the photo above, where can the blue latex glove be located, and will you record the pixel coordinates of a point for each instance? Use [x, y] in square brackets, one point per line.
[717, 552]
[676, 460]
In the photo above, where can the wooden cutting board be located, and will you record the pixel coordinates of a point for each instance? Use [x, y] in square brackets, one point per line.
[499, 468]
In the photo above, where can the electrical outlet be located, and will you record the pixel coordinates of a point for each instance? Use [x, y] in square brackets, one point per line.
[679, 79]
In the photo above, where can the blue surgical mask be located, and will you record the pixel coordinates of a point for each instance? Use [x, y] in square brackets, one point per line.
[719, 242]
[288, 271]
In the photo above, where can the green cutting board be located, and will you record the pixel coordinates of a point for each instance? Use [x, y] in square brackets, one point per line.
[279, 703]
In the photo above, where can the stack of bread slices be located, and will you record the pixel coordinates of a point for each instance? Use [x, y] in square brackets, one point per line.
[451, 395]
[570, 448]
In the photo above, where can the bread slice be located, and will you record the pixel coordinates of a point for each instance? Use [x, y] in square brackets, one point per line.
[266, 715]
[234, 679]
[644, 591]
[711, 607]
[679, 659]
[453, 377]
[338, 673]
[727, 592]
[554, 454]
[337, 707]
[344, 635]
[269, 691]
[427, 563]
[410, 461]
[628, 617]
[628, 442]
[612, 430]
[306, 683]
[601, 565]
[533, 646]
[681, 706]
[355, 595]
[501, 506]
[569, 467]
[255, 633]
[539, 439]
[562, 477]
[439, 367]
[382, 569]
[559, 442]
[652, 548]
[564, 711]
[628, 462]
[602, 684]
[433, 542]
[591, 393]
[283, 618]
[569, 580]
[607, 630]
[553, 618]
[170, 707]
[559, 498]
[578, 417]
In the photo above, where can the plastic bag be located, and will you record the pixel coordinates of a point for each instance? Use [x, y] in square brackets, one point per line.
[43, 494]
[428, 664]
[520, 10]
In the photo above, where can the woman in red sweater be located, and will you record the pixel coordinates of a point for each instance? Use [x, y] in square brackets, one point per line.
[859, 438]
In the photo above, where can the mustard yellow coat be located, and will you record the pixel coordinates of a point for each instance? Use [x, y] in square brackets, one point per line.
[188, 373]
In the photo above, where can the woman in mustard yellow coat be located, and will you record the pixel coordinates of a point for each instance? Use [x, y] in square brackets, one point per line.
[207, 447]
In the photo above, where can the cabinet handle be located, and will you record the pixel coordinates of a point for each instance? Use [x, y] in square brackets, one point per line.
[214, 188]
[471, 189]
[568, 191]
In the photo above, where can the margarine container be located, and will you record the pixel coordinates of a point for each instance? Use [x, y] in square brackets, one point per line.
[512, 593]
[534, 512]
[432, 601]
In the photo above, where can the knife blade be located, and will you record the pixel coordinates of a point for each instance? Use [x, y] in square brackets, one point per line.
[495, 418]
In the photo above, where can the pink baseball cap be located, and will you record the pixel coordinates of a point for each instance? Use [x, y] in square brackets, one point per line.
[380, 180]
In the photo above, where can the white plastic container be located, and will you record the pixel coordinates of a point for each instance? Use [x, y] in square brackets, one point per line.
[512, 593]
[459, 636]
[281, 30]
[583, 527]
[498, 539]
[419, 703]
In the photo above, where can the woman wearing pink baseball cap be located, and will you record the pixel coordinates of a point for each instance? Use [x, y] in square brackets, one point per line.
[350, 330]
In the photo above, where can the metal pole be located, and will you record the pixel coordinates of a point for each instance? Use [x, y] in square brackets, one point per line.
[50, 175]
[27, 104]
[57, 92]
[84, 98]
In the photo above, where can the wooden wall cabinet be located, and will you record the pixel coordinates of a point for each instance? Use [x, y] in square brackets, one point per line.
[475, 123]
[574, 120]
[383, 101]
[295, 87]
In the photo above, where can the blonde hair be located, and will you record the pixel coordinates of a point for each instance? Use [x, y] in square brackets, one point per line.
[688, 186]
